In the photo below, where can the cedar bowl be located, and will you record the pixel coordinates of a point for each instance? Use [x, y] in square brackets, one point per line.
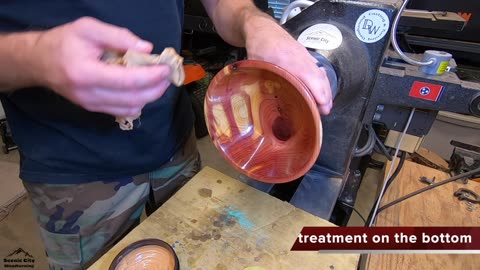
[264, 121]
[152, 254]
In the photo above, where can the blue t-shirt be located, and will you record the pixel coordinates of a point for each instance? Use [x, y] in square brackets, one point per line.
[60, 142]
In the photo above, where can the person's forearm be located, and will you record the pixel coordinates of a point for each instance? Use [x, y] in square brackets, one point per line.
[16, 53]
[234, 20]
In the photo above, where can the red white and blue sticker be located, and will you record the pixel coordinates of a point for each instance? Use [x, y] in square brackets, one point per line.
[427, 91]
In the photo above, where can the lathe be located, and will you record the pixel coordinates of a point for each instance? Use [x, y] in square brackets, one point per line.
[376, 87]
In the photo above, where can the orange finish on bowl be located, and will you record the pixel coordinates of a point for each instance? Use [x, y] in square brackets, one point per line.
[149, 257]
[264, 121]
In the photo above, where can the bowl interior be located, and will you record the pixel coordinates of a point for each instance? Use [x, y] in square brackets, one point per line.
[146, 254]
[263, 120]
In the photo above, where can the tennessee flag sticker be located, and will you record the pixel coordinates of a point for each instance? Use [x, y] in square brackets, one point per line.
[426, 91]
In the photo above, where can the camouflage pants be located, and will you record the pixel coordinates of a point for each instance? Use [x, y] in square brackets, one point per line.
[80, 222]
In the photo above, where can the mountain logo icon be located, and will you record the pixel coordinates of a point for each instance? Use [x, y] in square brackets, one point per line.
[18, 258]
[19, 251]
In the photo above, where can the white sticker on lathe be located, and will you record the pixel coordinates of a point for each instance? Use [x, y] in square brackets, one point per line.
[321, 36]
[372, 26]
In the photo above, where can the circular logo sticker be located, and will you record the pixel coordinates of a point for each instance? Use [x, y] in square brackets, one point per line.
[321, 36]
[372, 26]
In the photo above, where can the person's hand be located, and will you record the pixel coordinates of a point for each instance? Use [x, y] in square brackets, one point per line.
[68, 61]
[268, 41]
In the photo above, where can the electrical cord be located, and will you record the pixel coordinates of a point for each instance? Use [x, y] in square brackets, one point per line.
[358, 213]
[372, 141]
[403, 157]
[382, 147]
[395, 43]
[371, 216]
[355, 210]
[397, 149]
[451, 179]
[389, 182]
[400, 141]
[295, 4]
[367, 148]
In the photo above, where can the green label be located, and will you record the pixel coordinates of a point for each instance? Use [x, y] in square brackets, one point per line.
[442, 67]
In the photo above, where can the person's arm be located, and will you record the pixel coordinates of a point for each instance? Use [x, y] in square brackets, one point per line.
[14, 63]
[67, 60]
[229, 18]
[241, 24]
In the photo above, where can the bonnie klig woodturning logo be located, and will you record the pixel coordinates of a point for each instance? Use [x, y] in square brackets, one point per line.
[18, 258]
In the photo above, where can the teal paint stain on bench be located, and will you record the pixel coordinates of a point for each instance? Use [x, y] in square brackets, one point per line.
[243, 221]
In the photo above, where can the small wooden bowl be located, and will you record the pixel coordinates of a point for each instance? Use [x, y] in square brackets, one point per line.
[264, 121]
[145, 261]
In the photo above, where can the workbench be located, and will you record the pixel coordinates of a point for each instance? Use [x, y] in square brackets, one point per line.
[215, 223]
[436, 207]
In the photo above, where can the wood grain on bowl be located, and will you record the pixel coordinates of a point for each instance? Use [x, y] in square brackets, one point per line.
[264, 121]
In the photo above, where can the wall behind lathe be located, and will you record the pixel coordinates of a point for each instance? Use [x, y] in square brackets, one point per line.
[451, 126]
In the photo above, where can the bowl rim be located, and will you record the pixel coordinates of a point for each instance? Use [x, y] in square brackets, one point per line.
[140, 243]
[298, 84]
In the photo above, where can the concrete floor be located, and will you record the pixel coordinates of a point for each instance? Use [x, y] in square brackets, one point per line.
[19, 229]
